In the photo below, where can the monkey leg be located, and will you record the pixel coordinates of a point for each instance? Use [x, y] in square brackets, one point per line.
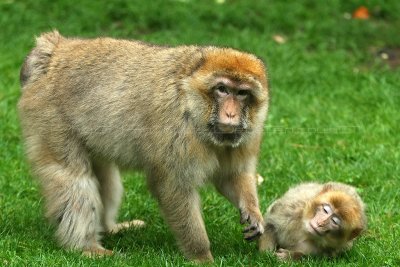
[71, 195]
[74, 203]
[182, 211]
[241, 191]
[111, 191]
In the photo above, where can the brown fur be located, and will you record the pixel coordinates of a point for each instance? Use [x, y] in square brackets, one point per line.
[231, 60]
[89, 106]
[287, 221]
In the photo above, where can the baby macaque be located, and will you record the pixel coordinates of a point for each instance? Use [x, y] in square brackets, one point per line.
[313, 219]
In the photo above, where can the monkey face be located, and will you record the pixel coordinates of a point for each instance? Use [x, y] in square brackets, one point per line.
[325, 221]
[333, 219]
[227, 97]
[229, 121]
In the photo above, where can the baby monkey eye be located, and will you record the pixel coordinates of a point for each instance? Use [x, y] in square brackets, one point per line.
[327, 208]
[336, 220]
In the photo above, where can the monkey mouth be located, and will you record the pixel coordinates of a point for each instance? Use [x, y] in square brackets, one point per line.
[227, 137]
[314, 230]
[223, 135]
[227, 128]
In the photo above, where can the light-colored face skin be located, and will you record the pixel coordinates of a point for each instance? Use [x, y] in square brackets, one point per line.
[325, 221]
[230, 118]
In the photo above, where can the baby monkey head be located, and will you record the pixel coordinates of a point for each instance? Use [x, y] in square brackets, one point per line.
[233, 89]
[334, 218]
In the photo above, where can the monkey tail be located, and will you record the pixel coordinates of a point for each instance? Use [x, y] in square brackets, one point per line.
[37, 62]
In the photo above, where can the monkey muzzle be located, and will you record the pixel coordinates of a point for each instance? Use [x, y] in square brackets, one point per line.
[314, 229]
[229, 134]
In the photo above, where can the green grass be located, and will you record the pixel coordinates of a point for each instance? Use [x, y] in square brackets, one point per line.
[334, 116]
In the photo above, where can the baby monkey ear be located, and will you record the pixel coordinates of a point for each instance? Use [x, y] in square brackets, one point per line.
[356, 232]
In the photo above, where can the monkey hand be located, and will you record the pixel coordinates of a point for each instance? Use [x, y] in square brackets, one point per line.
[256, 228]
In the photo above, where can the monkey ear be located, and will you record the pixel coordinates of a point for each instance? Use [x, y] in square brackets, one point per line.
[356, 232]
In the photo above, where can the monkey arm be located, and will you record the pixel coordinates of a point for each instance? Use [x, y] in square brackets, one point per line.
[241, 191]
[267, 241]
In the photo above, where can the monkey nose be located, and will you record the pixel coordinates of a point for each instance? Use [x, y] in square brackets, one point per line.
[230, 115]
[229, 121]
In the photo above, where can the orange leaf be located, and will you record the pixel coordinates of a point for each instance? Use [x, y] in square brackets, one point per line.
[361, 13]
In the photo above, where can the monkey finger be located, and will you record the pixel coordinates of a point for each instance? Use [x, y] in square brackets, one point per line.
[244, 217]
[252, 236]
[250, 228]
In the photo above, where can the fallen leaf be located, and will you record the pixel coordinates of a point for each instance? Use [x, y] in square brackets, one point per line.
[260, 179]
[361, 13]
[279, 39]
[347, 15]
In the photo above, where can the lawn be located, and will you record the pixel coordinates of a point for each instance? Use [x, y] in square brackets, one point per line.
[334, 115]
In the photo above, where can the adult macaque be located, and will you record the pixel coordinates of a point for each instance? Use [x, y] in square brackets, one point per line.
[184, 115]
[313, 219]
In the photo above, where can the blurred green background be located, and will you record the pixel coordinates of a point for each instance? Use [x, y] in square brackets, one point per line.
[334, 116]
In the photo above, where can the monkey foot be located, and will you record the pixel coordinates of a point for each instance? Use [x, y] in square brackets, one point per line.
[286, 255]
[206, 258]
[282, 254]
[126, 225]
[96, 252]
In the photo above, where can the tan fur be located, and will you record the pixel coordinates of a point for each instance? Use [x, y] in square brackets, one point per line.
[91, 106]
[287, 221]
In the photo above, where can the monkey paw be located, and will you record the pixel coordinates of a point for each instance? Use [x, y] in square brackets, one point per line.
[255, 229]
[126, 225]
[204, 259]
[96, 251]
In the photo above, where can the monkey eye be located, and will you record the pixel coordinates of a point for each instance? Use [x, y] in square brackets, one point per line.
[242, 94]
[335, 220]
[327, 208]
[222, 90]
